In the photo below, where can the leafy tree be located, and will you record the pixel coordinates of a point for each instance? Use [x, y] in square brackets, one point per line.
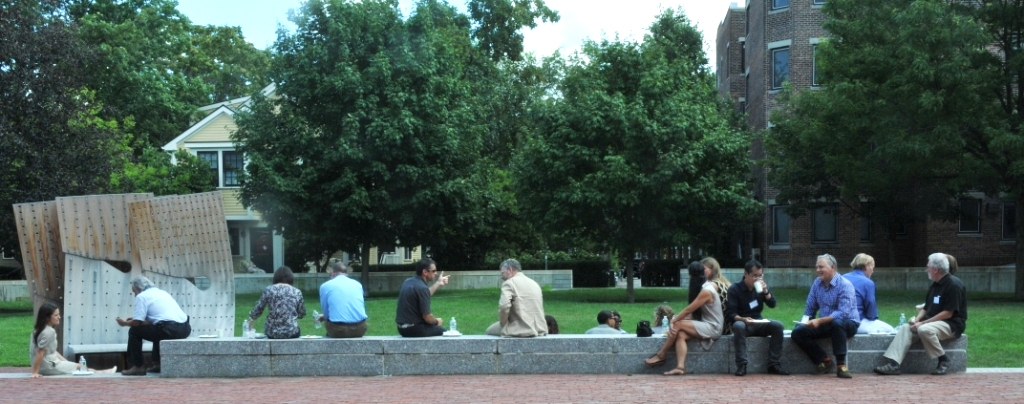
[499, 24]
[155, 66]
[52, 140]
[154, 171]
[375, 131]
[636, 149]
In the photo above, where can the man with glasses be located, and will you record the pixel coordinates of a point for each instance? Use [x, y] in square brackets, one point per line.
[944, 317]
[606, 324]
[743, 307]
[521, 306]
[413, 315]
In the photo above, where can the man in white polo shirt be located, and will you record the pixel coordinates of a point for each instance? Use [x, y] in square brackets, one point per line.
[156, 317]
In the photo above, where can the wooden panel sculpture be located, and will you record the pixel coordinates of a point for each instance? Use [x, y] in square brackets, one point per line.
[81, 253]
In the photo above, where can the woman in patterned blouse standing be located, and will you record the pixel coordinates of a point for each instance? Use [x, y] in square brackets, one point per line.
[286, 306]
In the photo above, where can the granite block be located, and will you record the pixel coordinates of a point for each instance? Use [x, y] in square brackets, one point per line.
[556, 363]
[556, 344]
[440, 364]
[916, 361]
[796, 361]
[650, 345]
[326, 346]
[633, 363]
[467, 344]
[214, 365]
[215, 346]
[862, 342]
[327, 365]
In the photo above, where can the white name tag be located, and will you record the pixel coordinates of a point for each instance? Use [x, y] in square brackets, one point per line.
[753, 304]
[935, 300]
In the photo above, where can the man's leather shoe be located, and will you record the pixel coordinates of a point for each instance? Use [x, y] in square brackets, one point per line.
[843, 372]
[134, 371]
[777, 370]
[825, 367]
[741, 370]
[154, 369]
[942, 369]
[888, 369]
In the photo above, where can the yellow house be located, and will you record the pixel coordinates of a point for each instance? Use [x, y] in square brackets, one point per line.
[251, 239]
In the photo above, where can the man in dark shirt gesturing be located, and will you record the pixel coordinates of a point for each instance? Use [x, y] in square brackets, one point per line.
[413, 314]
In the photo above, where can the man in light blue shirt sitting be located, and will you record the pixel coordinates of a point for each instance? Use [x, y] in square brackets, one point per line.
[341, 299]
[834, 301]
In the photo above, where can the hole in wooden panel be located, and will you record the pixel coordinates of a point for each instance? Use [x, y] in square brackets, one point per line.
[201, 282]
[123, 266]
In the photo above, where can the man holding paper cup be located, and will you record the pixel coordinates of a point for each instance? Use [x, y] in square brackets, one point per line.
[834, 300]
[743, 307]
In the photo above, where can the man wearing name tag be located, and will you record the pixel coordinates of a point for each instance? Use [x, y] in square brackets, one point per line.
[743, 307]
[944, 317]
[413, 315]
[341, 299]
[834, 300]
[155, 317]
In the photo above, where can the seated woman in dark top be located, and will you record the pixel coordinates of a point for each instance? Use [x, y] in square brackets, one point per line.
[286, 306]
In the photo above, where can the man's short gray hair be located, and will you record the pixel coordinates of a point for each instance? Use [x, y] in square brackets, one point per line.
[940, 262]
[511, 263]
[338, 266]
[141, 283]
[829, 259]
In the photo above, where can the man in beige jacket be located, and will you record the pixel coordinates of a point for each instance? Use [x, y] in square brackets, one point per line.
[521, 306]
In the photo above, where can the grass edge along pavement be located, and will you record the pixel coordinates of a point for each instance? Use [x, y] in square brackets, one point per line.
[990, 345]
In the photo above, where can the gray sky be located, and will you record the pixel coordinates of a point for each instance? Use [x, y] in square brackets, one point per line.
[580, 19]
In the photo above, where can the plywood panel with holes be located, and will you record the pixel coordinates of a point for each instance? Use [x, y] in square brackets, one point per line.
[96, 226]
[41, 252]
[95, 294]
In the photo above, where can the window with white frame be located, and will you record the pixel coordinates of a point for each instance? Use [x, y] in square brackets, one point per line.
[226, 166]
[408, 253]
[780, 67]
[780, 225]
[779, 4]
[1009, 221]
[814, 65]
[825, 223]
[970, 215]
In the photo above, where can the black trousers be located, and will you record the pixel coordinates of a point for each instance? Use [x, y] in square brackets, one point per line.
[154, 333]
[421, 330]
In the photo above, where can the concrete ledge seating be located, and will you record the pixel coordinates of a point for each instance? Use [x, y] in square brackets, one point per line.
[480, 354]
[73, 352]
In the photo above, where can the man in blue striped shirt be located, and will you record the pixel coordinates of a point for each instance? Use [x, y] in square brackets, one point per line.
[832, 303]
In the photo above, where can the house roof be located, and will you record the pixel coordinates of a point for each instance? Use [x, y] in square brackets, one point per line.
[220, 108]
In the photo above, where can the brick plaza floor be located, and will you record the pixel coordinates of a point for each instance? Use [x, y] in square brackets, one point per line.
[984, 386]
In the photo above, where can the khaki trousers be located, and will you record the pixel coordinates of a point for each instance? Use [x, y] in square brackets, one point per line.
[930, 335]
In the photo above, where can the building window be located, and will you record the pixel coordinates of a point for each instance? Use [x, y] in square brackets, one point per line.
[408, 253]
[235, 234]
[780, 225]
[970, 216]
[780, 67]
[824, 221]
[819, 2]
[779, 4]
[226, 166]
[814, 65]
[865, 229]
[1009, 221]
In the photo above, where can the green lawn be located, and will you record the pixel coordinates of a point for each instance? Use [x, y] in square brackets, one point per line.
[576, 311]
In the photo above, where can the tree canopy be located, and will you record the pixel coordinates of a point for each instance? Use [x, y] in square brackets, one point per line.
[636, 149]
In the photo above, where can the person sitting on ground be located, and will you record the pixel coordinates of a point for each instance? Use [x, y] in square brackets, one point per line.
[286, 306]
[46, 361]
[743, 308]
[606, 324]
[683, 328]
[944, 317]
[155, 317]
[521, 305]
[341, 299]
[552, 324]
[863, 267]
[663, 313]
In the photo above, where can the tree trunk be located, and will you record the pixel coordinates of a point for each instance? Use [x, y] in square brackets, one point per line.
[1018, 204]
[629, 280]
[364, 276]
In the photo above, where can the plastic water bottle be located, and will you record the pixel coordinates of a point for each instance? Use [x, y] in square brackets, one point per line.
[246, 329]
[316, 319]
[664, 322]
[903, 321]
[81, 361]
[451, 324]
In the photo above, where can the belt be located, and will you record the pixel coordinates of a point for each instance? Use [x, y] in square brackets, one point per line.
[344, 323]
[405, 325]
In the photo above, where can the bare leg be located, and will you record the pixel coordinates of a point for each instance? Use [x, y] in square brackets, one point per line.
[685, 331]
[111, 370]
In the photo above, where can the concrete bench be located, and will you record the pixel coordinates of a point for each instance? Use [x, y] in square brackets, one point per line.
[480, 354]
[73, 352]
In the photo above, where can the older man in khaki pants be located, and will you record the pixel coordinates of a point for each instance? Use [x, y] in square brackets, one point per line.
[521, 306]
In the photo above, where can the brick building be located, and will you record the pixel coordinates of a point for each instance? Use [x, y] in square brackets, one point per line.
[761, 45]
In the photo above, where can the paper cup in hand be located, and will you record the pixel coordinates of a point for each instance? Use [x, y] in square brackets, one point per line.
[805, 319]
[758, 287]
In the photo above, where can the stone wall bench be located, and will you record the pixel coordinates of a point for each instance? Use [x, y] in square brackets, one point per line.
[75, 351]
[480, 354]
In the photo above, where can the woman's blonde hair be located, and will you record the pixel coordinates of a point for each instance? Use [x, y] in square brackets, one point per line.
[663, 311]
[716, 271]
[952, 264]
[861, 261]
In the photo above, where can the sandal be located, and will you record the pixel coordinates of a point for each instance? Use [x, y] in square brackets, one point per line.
[676, 372]
[654, 361]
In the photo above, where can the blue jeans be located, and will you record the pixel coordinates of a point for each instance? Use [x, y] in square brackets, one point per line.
[839, 330]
